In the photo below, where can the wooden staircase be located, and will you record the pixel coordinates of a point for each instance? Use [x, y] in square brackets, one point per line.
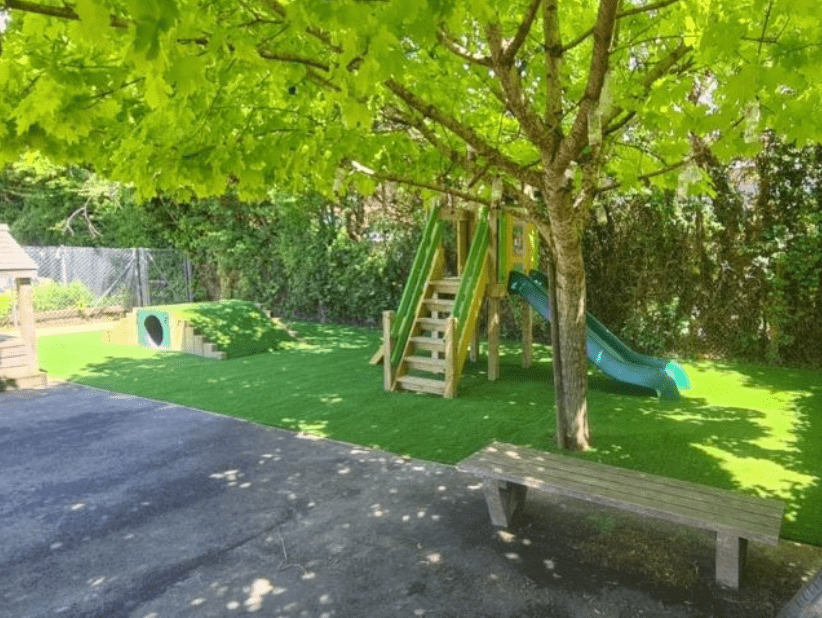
[15, 368]
[423, 365]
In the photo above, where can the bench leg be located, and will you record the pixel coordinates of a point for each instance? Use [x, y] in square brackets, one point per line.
[504, 500]
[730, 559]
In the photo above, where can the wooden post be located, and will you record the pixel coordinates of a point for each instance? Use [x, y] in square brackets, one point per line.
[730, 559]
[462, 242]
[493, 279]
[451, 332]
[527, 335]
[493, 337]
[475, 344]
[387, 371]
[504, 500]
[25, 313]
[475, 336]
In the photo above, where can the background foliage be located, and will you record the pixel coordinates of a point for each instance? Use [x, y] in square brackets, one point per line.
[737, 274]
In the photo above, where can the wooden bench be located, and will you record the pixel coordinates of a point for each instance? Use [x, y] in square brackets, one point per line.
[508, 471]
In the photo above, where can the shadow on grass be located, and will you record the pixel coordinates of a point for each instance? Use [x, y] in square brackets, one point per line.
[742, 428]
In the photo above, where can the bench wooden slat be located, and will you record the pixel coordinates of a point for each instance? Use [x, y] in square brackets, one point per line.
[564, 474]
[680, 501]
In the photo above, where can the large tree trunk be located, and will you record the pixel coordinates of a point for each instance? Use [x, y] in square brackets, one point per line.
[565, 240]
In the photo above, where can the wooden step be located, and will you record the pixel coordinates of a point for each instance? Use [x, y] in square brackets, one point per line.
[439, 305]
[12, 352]
[426, 363]
[10, 343]
[450, 285]
[422, 385]
[432, 344]
[13, 356]
[30, 380]
[8, 365]
[18, 371]
[431, 324]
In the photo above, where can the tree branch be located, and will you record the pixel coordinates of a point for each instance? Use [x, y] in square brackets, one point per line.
[60, 12]
[458, 50]
[645, 177]
[318, 79]
[362, 169]
[647, 8]
[660, 69]
[293, 58]
[275, 6]
[522, 33]
[512, 87]
[553, 76]
[573, 143]
[466, 133]
[622, 14]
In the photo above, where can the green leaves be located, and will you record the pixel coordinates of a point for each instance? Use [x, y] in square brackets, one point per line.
[179, 97]
[94, 17]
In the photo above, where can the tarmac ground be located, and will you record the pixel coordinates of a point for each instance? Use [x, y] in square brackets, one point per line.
[119, 506]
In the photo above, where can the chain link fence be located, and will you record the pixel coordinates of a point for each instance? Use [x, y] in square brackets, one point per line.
[83, 283]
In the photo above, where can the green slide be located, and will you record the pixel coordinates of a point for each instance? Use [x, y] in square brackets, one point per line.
[605, 349]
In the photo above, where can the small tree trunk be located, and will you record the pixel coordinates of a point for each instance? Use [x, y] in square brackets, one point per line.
[556, 356]
[569, 335]
[573, 354]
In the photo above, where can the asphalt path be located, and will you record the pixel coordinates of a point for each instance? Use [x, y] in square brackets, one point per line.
[114, 505]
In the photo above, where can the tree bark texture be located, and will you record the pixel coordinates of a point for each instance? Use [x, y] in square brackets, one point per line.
[566, 245]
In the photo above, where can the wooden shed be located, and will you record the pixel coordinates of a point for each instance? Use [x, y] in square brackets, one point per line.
[18, 352]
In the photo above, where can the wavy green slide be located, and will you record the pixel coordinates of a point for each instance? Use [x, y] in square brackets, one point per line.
[605, 350]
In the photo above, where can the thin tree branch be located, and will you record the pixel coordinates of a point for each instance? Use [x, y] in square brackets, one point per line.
[522, 33]
[325, 38]
[60, 12]
[573, 143]
[659, 70]
[458, 50]
[318, 79]
[512, 87]
[621, 15]
[275, 6]
[466, 133]
[764, 28]
[647, 8]
[293, 58]
[469, 197]
[645, 177]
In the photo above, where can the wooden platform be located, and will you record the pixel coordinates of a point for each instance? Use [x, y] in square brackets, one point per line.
[509, 471]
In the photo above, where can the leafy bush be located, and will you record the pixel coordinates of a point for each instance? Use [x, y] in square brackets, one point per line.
[51, 296]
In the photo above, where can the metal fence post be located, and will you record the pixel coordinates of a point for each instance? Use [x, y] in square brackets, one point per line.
[143, 293]
[188, 276]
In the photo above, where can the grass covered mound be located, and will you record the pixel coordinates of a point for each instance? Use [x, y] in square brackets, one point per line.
[236, 327]
[749, 428]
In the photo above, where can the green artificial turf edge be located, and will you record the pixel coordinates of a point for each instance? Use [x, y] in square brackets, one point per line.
[745, 427]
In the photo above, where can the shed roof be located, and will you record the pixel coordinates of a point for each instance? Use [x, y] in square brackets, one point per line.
[14, 262]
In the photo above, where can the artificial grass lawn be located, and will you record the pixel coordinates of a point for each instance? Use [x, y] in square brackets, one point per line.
[744, 427]
[236, 327]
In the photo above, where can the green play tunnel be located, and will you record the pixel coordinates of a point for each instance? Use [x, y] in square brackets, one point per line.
[154, 328]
